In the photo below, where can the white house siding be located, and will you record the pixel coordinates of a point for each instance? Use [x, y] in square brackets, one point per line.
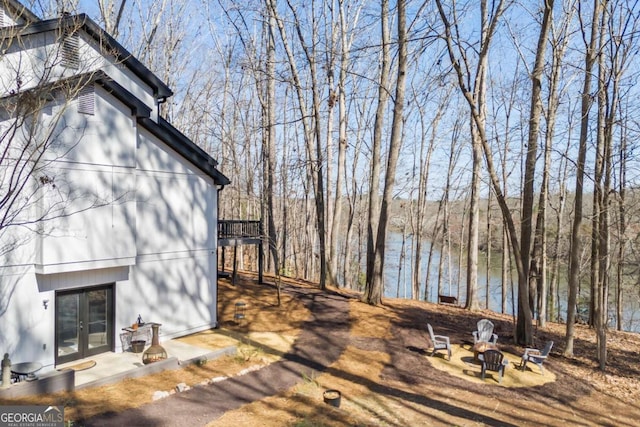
[27, 310]
[35, 59]
[100, 167]
[26, 330]
[21, 63]
[158, 246]
[175, 274]
[152, 235]
[96, 156]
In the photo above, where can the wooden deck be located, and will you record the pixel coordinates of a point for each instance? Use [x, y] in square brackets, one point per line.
[237, 233]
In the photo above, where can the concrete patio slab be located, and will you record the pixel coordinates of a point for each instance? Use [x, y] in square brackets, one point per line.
[113, 367]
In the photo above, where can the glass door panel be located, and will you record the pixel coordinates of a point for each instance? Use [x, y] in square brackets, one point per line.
[68, 325]
[97, 318]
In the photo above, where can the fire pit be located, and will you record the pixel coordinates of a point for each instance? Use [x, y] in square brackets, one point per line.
[156, 351]
[480, 347]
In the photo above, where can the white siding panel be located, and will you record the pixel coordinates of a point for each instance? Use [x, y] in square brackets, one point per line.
[27, 326]
[167, 210]
[179, 293]
[176, 207]
[38, 59]
[102, 236]
[106, 138]
[174, 280]
[18, 246]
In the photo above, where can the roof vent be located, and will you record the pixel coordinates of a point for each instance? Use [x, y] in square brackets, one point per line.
[70, 49]
[86, 100]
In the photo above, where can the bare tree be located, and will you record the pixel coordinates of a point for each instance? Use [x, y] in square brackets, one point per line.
[455, 149]
[622, 222]
[312, 124]
[576, 242]
[559, 41]
[617, 34]
[373, 293]
[111, 12]
[532, 261]
[373, 289]
[547, 291]
[472, 84]
[346, 40]
[269, 140]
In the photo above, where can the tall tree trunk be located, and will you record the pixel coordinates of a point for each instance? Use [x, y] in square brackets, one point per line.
[474, 222]
[424, 161]
[547, 290]
[532, 271]
[269, 150]
[353, 267]
[622, 224]
[446, 217]
[559, 43]
[473, 91]
[374, 286]
[599, 255]
[506, 268]
[374, 294]
[576, 243]
[618, 27]
[312, 125]
[488, 257]
[342, 145]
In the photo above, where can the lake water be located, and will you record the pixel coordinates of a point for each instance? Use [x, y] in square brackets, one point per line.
[398, 282]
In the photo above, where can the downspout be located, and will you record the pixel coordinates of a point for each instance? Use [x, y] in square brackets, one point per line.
[220, 188]
[159, 101]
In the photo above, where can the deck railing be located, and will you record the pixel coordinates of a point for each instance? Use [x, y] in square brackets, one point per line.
[235, 229]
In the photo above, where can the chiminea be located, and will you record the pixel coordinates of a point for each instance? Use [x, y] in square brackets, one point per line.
[156, 351]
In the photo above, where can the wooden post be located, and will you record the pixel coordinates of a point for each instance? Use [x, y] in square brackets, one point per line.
[235, 265]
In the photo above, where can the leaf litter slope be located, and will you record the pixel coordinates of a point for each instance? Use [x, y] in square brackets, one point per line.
[386, 377]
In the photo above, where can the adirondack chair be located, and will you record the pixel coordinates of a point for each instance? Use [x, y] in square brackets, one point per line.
[536, 356]
[493, 360]
[439, 342]
[484, 332]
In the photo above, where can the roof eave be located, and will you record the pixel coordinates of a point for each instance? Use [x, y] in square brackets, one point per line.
[82, 21]
[185, 147]
[21, 10]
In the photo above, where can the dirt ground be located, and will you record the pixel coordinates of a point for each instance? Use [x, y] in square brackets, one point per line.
[386, 376]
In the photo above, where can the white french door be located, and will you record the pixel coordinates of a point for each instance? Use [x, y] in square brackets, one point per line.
[84, 323]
